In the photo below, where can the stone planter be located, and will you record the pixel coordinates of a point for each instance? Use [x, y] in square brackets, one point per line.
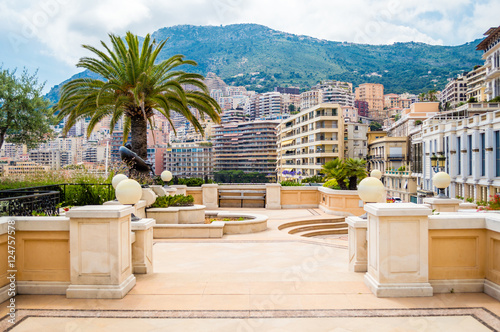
[178, 215]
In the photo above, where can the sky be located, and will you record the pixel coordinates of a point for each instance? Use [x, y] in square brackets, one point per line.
[47, 35]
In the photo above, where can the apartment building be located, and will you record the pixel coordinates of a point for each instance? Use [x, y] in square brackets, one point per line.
[193, 159]
[54, 159]
[476, 84]
[16, 168]
[246, 146]
[310, 99]
[372, 93]
[309, 139]
[491, 48]
[413, 117]
[362, 107]
[393, 100]
[454, 92]
[350, 114]
[355, 146]
[336, 92]
[265, 105]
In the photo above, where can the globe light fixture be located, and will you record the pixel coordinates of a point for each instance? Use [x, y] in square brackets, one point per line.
[117, 179]
[370, 190]
[129, 192]
[166, 176]
[376, 174]
[441, 180]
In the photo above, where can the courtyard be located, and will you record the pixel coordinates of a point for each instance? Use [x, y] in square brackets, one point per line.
[266, 281]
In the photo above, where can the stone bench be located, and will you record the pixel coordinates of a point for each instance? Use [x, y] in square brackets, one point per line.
[261, 195]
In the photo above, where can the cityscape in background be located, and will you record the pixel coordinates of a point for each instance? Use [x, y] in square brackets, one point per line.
[289, 133]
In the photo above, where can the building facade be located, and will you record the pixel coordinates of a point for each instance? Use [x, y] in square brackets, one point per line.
[309, 139]
[246, 146]
[373, 94]
[187, 160]
[454, 92]
[491, 48]
[356, 143]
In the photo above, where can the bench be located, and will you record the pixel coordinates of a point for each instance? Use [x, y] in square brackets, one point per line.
[241, 195]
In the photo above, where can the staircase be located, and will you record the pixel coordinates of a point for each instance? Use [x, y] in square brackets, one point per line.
[316, 227]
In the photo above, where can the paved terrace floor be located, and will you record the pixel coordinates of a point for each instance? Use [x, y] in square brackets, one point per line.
[268, 281]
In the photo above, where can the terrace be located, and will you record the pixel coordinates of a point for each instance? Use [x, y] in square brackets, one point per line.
[433, 275]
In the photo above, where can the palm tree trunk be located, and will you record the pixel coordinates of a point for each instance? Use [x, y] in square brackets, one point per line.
[353, 181]
[139, 136]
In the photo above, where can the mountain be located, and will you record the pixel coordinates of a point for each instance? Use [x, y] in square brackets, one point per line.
[261, 58]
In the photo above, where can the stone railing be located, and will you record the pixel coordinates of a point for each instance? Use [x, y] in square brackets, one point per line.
[339, 202]
[92, 252]
[406, 251]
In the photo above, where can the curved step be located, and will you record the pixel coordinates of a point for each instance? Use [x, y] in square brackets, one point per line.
[317, 227]
[328, 220]
[340, 231]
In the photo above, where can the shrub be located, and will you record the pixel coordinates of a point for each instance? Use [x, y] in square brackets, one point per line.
[494, 204]
[290, 184]
[177, 200]
[314, 179]
[332, 184]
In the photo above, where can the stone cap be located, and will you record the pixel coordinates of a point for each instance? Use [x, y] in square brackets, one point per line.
[100, 211]
[442, 201]
[397, 209]
[209, 185]
[140, 204]
[356, 222]
[142, 224]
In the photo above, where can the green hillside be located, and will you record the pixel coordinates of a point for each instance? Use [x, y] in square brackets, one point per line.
[261, 58]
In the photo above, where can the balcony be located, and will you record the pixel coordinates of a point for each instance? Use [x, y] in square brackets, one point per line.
[396, 157]
[493, 73]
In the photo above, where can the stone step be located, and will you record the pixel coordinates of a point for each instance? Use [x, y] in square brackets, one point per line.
[338, 231]
[314, 227]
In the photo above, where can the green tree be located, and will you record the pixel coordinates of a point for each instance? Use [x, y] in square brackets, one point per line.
[375, 126]
[356, 171]
[336, 169]
[25, 116]
[133, 87]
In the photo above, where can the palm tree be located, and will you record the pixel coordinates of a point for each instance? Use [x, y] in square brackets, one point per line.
[335, 169]
[132, 88]
[356, 171]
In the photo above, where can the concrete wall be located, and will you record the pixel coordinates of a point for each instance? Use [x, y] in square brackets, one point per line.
[197, 194]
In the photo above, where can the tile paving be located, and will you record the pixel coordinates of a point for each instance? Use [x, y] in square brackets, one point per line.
[255, 282]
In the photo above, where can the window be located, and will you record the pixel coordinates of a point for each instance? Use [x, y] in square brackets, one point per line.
[469, 147]
[483, 155]
[459, 153]
[497, 152]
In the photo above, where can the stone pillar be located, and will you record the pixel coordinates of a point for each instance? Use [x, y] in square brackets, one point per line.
[443, 204]
[142, 248]
[181, 189]
[100, 252]
[210, 195]
[358, 257]
[398, 250]
[273, 196]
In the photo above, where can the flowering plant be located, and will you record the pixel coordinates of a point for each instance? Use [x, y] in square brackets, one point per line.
[493, 204]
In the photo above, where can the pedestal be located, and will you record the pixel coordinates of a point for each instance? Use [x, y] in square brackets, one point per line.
[100, 252]
[443, 204]
[142, 248]
[181, 189]
[398, 250]
[210, 196]
[358, 257]
[273, 196]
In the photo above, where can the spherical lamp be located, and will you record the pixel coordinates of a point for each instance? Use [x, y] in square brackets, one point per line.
[371, 190]
[117, 179]
[166, 176]
[441, 180]
[376, 174]
[128, 192]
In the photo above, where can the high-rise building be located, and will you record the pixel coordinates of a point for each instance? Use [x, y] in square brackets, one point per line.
[246, 146]
[309, 139]
[373, 93]
[54, 159]
[266, 106]
[310, 99]
[491, 48]
[193, 159]
[336, 92]
[476, 84]
[362, 107]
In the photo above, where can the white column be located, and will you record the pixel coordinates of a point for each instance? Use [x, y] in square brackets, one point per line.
[100, 252]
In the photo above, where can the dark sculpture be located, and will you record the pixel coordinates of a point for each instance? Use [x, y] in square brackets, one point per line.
[133, 161]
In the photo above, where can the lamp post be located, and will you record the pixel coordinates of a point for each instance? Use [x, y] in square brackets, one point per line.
[166, 176]
[441, 179]
[370, 190]
[376, 174]
[129, 192]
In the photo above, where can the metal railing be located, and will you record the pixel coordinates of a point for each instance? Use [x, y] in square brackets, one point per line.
[45, 200]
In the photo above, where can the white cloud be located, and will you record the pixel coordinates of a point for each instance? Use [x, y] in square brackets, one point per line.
[62, 26]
